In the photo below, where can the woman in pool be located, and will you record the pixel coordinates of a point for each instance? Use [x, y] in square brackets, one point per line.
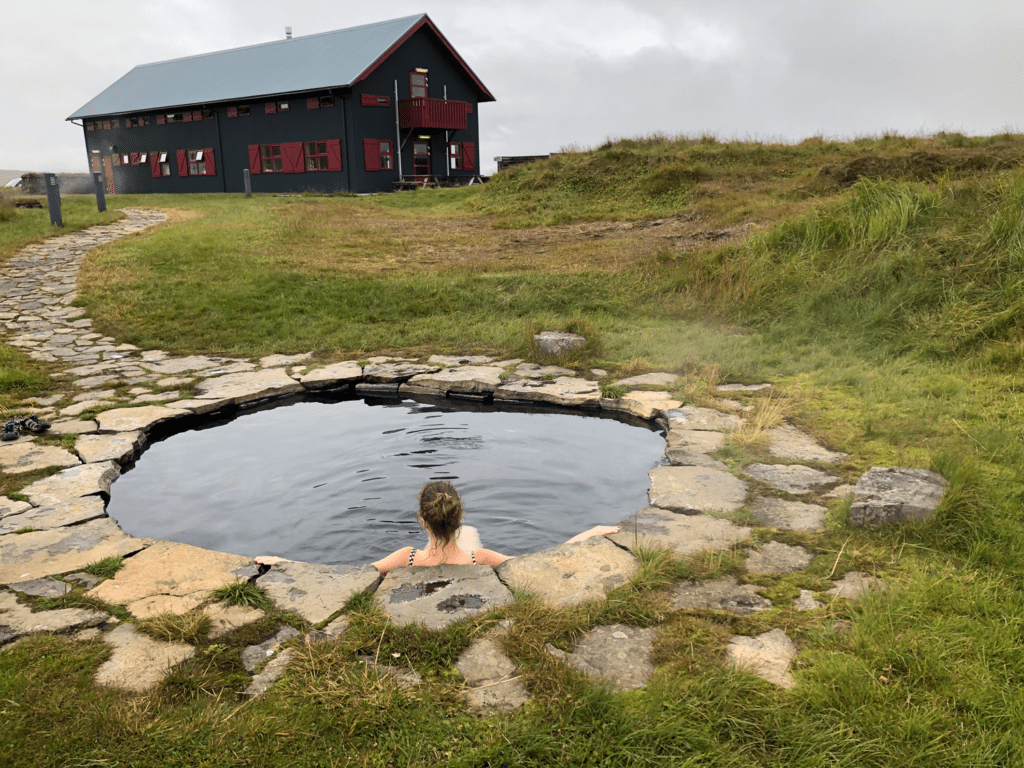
[440, 514]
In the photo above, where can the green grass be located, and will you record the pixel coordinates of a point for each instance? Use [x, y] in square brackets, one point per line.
[105, 568]
[242, 593]
[879, 292]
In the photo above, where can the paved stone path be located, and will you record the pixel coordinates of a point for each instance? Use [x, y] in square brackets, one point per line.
[691, 498]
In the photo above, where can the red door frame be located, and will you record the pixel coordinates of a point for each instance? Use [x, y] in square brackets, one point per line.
[421, 162]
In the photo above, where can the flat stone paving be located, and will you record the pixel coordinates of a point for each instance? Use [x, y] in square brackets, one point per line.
[68, 528]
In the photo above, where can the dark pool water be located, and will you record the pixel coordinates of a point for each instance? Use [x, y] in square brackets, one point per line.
[337, 482]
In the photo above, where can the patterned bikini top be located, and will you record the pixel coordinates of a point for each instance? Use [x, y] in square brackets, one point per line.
[413, 554]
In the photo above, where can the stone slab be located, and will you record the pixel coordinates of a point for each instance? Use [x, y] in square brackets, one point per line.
[228, 618]
[280, 361]
[254, 655]
[695, 440]
[534, 371]
[686, 534]
[806, 601]
[248, 386]
[438, 595]
[12, 507]
[270, 674]
[720, 595]
[23, 456]
[789, 515]
[892, 495]
[314, 591]
[649, 380]
[138, 419]
[46, 518]
[17, 620]
[72, 427]
[854, 584]
[406, 677]
[83, 480]
[177, 365]
[87, 580]
[683, 457]
[138, 662]
[490, 678]
[395, 373]
[117, 447]
[788, 442]
[792, 478]
[47, 586]
[693, 490]
[169, 577]
[571, 574]
[614, 653]
[567, 391]
[60, 550]
[199, 406]
[468, 379]
[768, 656]
[334, 375]
[642, 404]
[707, 419]
[742, 387]
[775, 557]
[454, 360]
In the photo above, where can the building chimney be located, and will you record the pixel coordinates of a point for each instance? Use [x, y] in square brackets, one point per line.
[288, 33]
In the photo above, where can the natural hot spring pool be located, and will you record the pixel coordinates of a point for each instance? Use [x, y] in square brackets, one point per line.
[337, 482]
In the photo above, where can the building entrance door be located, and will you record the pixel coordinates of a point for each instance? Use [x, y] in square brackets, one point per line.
[421, 160]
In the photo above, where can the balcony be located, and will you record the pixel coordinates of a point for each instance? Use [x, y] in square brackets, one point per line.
[439, 114]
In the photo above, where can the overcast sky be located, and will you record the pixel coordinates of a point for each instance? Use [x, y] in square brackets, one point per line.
[568, 72]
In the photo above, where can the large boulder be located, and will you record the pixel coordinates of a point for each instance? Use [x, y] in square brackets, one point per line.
[889, 495]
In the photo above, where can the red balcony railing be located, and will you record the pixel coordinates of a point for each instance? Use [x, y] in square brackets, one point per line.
[433, 113]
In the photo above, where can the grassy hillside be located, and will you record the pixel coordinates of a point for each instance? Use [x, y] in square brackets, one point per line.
[877, 283]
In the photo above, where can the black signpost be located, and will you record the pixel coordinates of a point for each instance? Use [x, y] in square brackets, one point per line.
[101, 190]
[53, 199]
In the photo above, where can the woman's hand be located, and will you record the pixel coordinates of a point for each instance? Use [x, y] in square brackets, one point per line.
[269, 560]
[597, 530]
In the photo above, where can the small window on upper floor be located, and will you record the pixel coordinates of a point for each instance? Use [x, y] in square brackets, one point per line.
[90, 126]
[243, 110]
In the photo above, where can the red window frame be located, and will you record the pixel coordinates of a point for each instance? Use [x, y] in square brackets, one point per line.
[414, 87]
[159, 163]
[293, 157]
[273, 107]
[371, 100]
[466, 156]
[378, 154]
[196, 162]
[90, 126]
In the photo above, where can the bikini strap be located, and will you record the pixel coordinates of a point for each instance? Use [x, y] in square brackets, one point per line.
[412, 554]
[473, 555]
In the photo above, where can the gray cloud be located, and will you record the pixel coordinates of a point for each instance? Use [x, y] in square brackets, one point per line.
[574, 72]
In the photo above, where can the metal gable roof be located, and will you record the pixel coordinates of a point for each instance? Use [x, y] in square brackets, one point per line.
[325, 60]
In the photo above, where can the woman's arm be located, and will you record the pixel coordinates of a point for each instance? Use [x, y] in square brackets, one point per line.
[396, 559]
[597, 530]
[269, 560]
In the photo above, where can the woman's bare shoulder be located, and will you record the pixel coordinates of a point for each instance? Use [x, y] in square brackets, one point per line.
[489, 557]
[396, 559]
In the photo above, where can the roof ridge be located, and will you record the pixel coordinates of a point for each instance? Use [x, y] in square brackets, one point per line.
[411, 19]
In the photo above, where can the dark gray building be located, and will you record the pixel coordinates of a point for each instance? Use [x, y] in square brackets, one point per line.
[351, 110]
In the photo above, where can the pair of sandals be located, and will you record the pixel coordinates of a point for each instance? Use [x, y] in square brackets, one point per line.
[12, 428]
